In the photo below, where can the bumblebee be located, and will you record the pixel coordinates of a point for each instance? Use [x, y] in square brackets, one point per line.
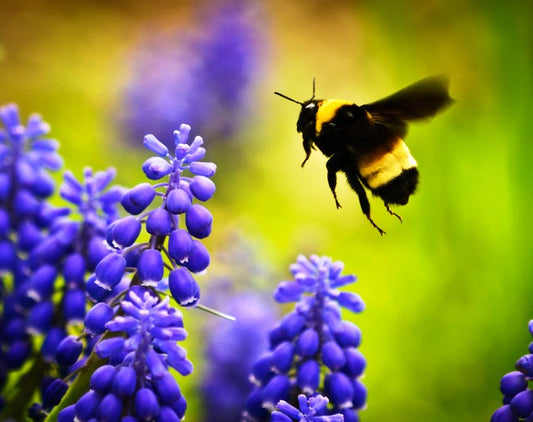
[366, 142]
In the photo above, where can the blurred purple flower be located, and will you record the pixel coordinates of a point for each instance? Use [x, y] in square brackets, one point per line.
[205, 79]
[232, 347]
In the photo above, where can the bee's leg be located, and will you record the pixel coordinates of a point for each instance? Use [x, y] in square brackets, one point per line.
[355, 184]
[334, 165]
[391, 212]
[307, 148]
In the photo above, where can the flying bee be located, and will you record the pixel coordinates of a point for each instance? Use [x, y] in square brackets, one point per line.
[366, 142]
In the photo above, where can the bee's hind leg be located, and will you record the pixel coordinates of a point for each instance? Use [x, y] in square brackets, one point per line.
[391, 212]
[355, 184]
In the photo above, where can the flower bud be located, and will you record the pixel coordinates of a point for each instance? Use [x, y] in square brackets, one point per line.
[150, 267]
[159, 222]
[74, 269]
[178, 201]
[198, 221]
[183, 287]
[308, 378]
[87, 405]
[155, 145]
[40, 317]
[54, 393]
[97, 317]
[339, 388]
[333, 355]
[180, 243]
[146, 404]
[68, 351]
[203, 169]
[512, 383]
[167, 388]
[102, 379]
[125, 231]
[282, 357]
[74, 305]
[138, 198]
[307, 343]
[202, 188]
[198, 257]
[275, 390]
[110, 270]
[110, 408]
[125, 381]
[355, 362]
[348, 334]
[155, 168]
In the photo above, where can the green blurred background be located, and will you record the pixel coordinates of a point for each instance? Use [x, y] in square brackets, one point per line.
[448, 291]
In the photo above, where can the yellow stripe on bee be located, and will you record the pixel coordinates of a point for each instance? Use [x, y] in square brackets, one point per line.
[381, 166]
[326, 111]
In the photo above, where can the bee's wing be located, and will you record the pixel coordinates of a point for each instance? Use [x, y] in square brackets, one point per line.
[418, 101]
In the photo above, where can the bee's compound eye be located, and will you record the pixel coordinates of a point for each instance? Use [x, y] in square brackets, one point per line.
[310, 106]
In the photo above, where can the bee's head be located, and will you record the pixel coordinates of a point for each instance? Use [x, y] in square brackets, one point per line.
[307, 116]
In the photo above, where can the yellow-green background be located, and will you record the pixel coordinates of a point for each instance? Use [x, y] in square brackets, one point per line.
[449, 292]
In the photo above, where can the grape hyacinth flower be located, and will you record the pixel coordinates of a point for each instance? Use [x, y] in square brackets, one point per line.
[175, 228]
[27, 156]
[141, 347]
[517, 395]
[313, 350]
[211, 89]
[52, 301]
[134, 328]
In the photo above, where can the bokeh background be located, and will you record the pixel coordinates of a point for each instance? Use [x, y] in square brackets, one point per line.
[449, 292]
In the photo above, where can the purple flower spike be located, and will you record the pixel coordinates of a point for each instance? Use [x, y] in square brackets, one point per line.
[315, 344]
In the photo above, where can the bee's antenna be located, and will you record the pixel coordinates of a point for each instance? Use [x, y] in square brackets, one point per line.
[288, 98]
[314, 80]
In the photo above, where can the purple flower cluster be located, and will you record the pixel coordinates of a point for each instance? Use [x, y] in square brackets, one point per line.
[175, 227]
[232, 347]
[517, 396]
[139, 347]
[313, 350]
[45, 253]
